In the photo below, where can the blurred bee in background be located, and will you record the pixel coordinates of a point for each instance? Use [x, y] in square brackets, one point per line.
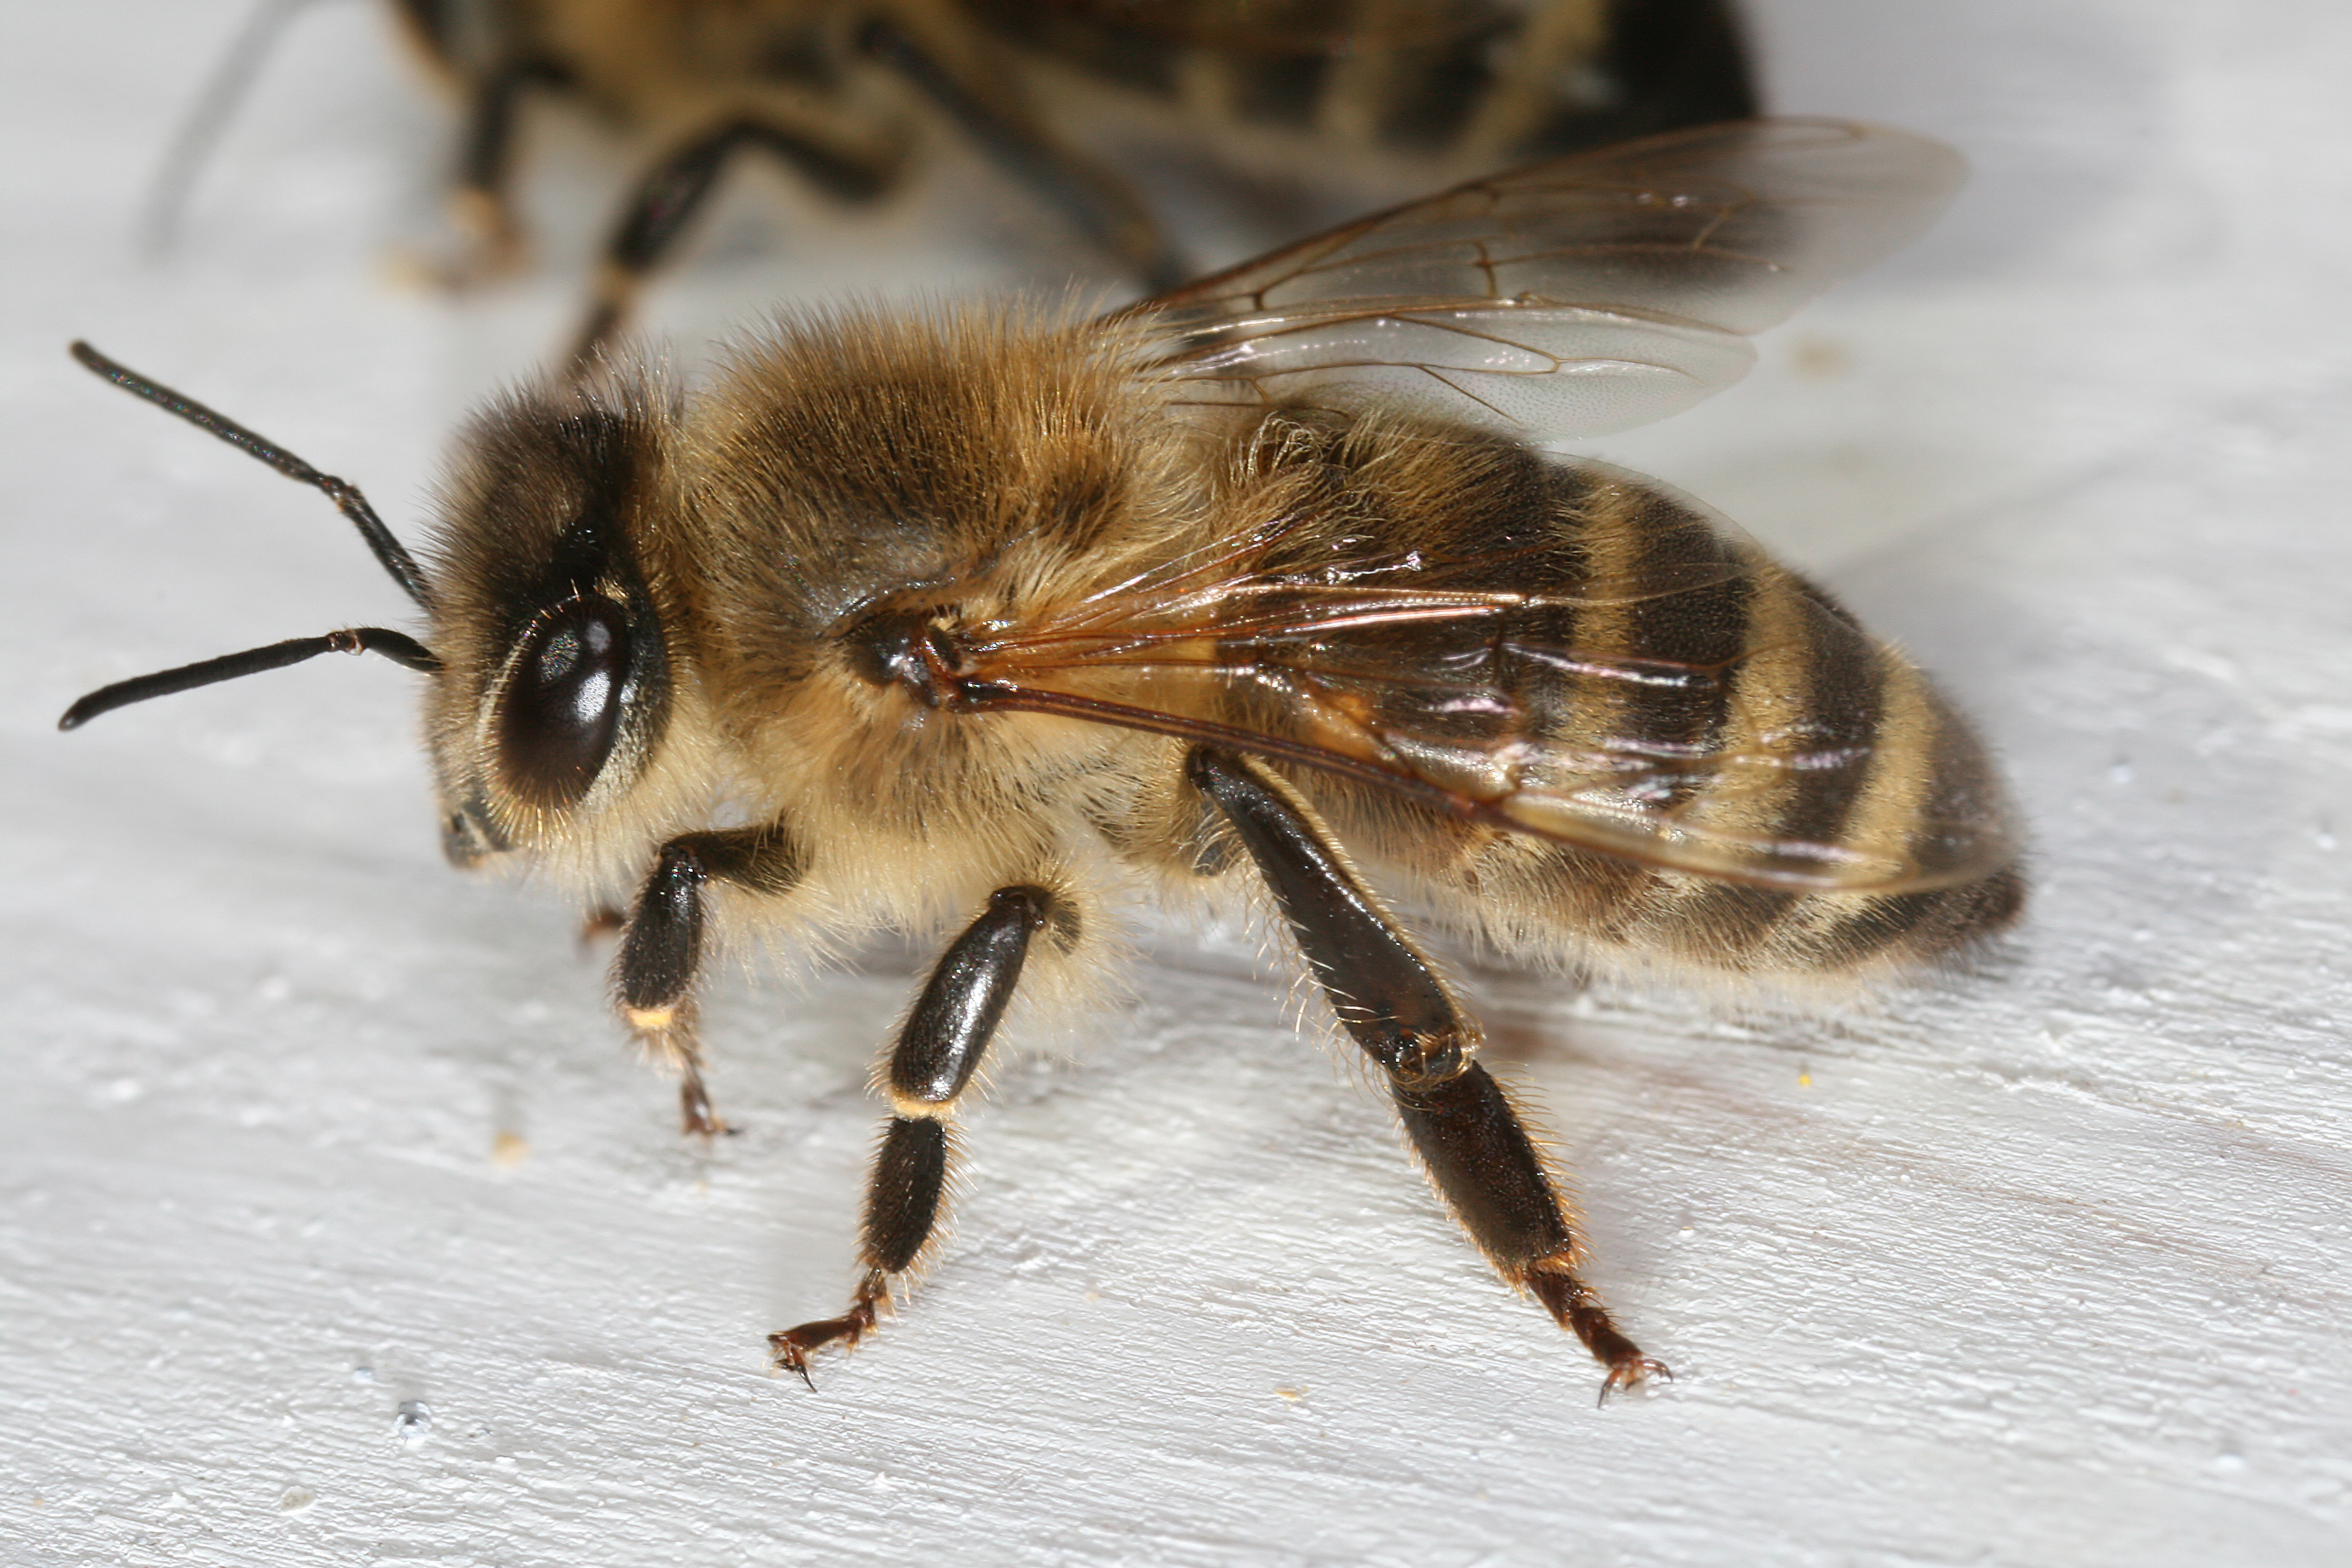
[1419, 93]
[984, 623]
[1475, 82]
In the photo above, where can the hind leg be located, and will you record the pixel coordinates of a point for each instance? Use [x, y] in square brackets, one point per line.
[1397, 1009]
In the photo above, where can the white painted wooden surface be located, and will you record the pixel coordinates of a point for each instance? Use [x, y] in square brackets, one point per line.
[2044, 1266]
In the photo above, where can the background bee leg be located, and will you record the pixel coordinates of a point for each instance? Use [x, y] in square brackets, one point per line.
[1093, 198]
[480, 203]
[661, 949]
[675, 189]
[938, 1049]
[1393, 1003]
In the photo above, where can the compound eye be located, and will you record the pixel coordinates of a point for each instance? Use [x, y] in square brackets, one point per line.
[562, 706]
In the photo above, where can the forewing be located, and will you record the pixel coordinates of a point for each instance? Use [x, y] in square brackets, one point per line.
[1573, 297]
[1751, 765]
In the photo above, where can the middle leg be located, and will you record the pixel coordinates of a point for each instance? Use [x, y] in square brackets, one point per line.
[938, 1049]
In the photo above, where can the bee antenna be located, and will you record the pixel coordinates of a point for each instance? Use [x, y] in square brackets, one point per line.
[398, 646]
[192, 145]
[389, 550]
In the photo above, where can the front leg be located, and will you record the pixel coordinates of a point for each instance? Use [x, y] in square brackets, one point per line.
[1393, 1005]
[661, 952]
[938, 1049]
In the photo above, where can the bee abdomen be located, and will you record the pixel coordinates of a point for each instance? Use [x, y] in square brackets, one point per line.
[1770, 718]
[1645, 665]
[1925, 775]
[1494, 80]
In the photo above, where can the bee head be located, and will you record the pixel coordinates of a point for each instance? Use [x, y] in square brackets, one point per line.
[556, 686]
[551, 673]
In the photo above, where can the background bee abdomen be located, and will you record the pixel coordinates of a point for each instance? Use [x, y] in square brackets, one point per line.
[1490, 81]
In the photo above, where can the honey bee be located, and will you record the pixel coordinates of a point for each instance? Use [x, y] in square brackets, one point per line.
[984, 623]
[837, 91]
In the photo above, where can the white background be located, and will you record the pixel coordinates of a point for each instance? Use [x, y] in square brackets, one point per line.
[2044, 1265]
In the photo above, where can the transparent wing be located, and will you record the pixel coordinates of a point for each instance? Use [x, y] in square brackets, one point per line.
[1489, 706]
[1573, 297]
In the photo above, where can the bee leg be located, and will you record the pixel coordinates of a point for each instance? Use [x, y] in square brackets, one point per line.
[600, 922]
[660, 954]
[939, 1048]
[1098, 202]
[1393, 1003]
[675, 189]
[481, 204]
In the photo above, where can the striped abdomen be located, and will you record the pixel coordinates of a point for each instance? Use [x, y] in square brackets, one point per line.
[1717, 764]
